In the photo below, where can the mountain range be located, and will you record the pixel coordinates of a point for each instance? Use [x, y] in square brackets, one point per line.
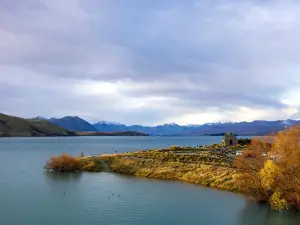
[257, 127]
[12, 126]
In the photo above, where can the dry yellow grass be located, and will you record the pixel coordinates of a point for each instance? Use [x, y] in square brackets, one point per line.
[202, 167]
[193, 172]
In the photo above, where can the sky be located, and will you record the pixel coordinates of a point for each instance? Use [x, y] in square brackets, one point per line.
[151, 62]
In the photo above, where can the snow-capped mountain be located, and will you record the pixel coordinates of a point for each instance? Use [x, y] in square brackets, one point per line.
[109, 123]
[258, 127]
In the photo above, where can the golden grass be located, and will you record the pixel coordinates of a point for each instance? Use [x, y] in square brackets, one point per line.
[198, 172]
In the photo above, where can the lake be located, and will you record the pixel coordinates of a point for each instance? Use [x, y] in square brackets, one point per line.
[29, 195]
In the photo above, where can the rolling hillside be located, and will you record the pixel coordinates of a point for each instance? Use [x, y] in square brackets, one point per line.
[11, 126]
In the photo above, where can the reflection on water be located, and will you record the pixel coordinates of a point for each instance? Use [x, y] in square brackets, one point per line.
[64, 177]
[260, 214]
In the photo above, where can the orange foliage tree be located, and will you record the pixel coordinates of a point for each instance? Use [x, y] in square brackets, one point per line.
[270, 169]
[64, 163]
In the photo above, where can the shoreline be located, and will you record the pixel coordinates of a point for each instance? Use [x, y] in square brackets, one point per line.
[210, 166]
[202, 167]
[184, 182]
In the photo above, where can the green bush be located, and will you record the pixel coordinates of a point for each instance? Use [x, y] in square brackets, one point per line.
[245, 141]
[175, 148]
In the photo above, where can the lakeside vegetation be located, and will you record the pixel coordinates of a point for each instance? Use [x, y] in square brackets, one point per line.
[200, 168]
[268, 169]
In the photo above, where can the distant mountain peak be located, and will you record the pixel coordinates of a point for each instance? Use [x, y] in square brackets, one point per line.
[170, 124]
[108, 123]
[71, 117]
[38, 118]
[73, 123]
[212, 124]
[193, 125]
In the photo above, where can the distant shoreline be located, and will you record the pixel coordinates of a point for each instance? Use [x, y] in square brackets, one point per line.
[124, 133]
[80, 134]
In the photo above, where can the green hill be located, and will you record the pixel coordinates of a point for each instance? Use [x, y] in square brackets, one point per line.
[11, 126]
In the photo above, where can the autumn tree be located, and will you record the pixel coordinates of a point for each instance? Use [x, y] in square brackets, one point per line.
[286, 153]
[249, 164]
[64, 163]
[270, 169]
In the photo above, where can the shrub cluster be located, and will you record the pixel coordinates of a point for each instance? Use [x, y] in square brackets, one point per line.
[67, 163]
[244, 141]
[64, 163]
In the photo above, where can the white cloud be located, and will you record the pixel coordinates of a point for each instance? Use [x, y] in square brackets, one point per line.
[199, 118]
[90, 88]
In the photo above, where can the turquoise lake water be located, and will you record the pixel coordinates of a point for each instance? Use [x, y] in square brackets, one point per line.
[29, 195]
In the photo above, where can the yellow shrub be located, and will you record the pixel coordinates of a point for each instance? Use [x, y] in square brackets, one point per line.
[64, 163]
[268, 173]
[277, 202]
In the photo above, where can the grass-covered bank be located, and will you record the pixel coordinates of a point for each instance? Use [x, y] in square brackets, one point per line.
[192, 165]
[202, 167]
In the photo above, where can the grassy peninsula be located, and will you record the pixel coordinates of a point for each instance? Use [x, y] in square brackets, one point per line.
[201, 165]
[194, 166]
[267, 169]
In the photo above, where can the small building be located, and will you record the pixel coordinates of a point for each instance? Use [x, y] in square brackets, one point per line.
[229, 139]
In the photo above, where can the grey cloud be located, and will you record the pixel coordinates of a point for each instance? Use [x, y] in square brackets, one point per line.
[201, 53]
[222, 98]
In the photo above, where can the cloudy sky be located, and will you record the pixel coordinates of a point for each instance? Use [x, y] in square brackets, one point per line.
[152, 61]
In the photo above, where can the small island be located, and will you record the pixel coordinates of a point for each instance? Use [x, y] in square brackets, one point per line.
[265, 169]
